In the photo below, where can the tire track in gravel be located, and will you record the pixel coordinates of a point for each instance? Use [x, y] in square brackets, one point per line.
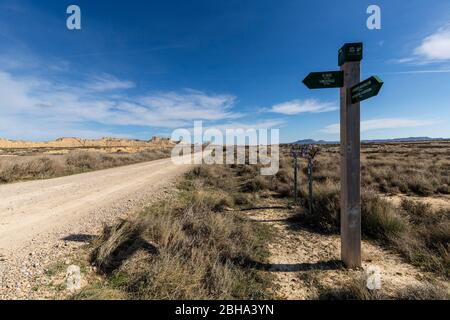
[37, 217]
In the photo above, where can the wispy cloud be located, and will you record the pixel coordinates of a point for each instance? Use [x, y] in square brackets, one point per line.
[420, 71]
[436, 47]
[33, 102]
[376, 124]
[128, 52]
[256, 125]
[306, 106]
[433, 48]
[108, 82]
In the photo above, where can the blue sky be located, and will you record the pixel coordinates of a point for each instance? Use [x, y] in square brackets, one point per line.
[144, 68]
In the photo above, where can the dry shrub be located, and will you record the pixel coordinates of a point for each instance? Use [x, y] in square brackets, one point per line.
[258, 183]
[83, 161]
[40, 168]
[284, 190]
[420, 185]
[420, 234]
[285, 176]
[326, 207]
[75, 162]
[425, 291]
[428, 244]
[198, 252]
[380, 219]
[241, 199]
[356, 289]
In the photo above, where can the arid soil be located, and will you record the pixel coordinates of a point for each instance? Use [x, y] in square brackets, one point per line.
[437, 202]
[305, 263]
[43, 221]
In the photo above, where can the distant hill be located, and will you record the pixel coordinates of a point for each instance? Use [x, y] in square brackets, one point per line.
[410, 139]
[311, 141]
[86, 143]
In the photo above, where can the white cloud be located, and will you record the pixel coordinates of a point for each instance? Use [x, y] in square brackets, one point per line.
[421, 71]
[264, 124]
[108, 83]
[190, 105]
[30, 103]
[433, 48]
[377, 124]
[240, 130]
[307, 106]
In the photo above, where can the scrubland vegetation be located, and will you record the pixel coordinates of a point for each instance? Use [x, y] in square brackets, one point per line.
[14, 169]
[356, 289]
[421, 169]
[200, 244]
[190, 247]
[418, 232]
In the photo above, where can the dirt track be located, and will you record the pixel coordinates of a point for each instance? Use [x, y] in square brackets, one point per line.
[41, 220]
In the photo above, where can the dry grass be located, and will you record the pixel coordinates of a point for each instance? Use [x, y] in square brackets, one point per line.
[45, 167]
[356, 289]
[421, 169]
[188, 248]
[419, 233]
[198, 249]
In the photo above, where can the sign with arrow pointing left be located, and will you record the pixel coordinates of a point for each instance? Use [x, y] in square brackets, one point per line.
[324, 80]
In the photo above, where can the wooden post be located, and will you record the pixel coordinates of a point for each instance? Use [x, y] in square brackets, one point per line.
[310, 182]
[350, 169]
[295, 179]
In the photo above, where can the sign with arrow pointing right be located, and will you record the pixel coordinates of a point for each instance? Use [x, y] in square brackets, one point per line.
[367, 89]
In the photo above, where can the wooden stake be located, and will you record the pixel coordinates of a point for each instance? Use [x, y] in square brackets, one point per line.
[296, 179]
[350, 169]
[310, 182]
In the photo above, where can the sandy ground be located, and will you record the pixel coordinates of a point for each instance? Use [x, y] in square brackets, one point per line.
[303, 261]
[42, 221]
[440, 202]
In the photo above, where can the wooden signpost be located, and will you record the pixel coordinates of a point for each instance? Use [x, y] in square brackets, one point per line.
[352, 93]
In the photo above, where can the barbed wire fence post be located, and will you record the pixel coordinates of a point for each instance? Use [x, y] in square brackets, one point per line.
[310, 185]
[295, 153]
[309, 152]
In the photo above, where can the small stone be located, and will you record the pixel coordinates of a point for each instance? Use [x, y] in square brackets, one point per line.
[73, 278]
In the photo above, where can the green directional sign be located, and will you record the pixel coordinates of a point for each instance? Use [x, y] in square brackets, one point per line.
[350, 52]
[367, 89]
[323, 80]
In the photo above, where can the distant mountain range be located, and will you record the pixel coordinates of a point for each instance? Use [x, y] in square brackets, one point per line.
[410, 139]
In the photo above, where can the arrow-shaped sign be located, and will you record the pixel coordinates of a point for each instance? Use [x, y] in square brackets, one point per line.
[367, 89]
[323, 80]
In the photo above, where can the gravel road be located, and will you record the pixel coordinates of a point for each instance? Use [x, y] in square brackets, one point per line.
[43, 221]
